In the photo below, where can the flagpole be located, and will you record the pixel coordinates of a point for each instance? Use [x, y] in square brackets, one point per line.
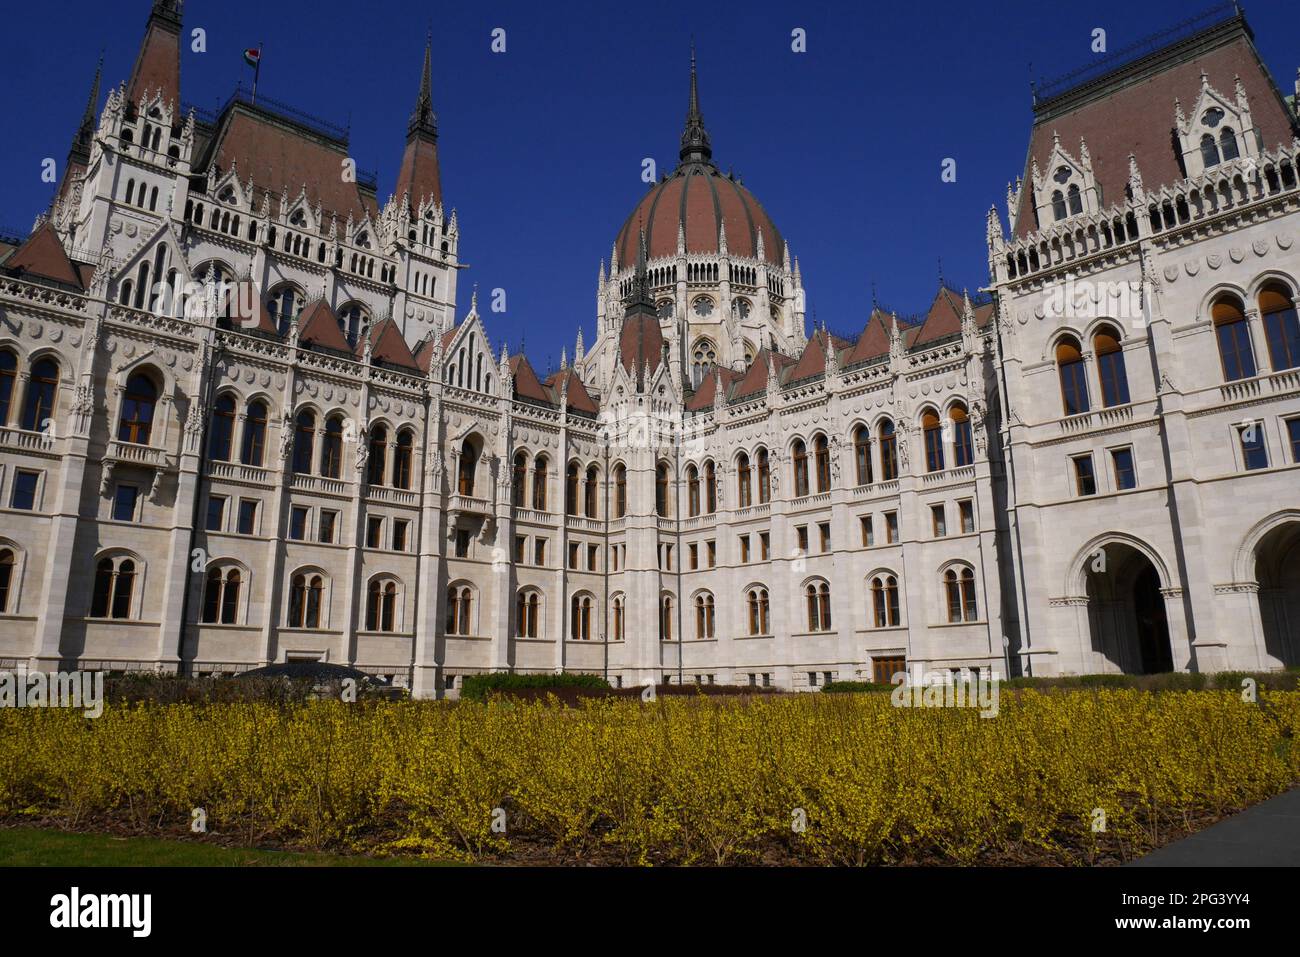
[257, 70]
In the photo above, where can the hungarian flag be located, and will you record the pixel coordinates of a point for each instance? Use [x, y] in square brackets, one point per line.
[253, 56]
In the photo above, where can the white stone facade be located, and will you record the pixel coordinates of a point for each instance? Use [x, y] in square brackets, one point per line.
[462, 556]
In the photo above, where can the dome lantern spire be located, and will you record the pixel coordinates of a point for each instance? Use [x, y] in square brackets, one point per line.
[695, 138]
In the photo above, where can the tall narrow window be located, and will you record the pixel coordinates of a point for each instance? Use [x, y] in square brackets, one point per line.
[1110, 367]
[1281, 328]
[758, 611]
[1058, 205]
[666, 618]
[620, 491]
[661, 490]
[222, 431]
[590, 490]
[862, 455]
[933, 431]
[822, 452]
[1209, 151]
[744, 495]
[254, 433]
[1228, 144]
[1254, 454]
[800, 453]
[818, 599]
[304, 437]
[764, 477]
[539, 483]
[402, 459]
[704, 616]
[331, 463]
[1074, 382]
[1076, 199]
[1233, 335]
[377, 457]
[8, 376]
[6, 578]
[692, 491]
[884, 601]
[710, 488]
[888, 451]
[963, 448]
[571, 489]
[518, 480]
[467, 468]
[137, 410]
[618, 619]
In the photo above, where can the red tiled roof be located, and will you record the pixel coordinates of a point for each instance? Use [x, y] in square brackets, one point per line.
[874, 340]
[701, 196]
[755, 378]
[526, 381]
[284, 160]
[1135, 114]
[419, 176]
[320, 325]
[388, 345]
[944, 317]
[424, 354]
[579, 397]
[641, 341]
[158, 64]
[254, 318]
[43, 255]
[703, 397]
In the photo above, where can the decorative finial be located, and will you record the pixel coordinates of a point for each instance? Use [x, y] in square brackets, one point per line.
[696, 147]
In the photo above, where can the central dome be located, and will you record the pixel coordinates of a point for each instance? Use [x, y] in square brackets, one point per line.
[698, 197]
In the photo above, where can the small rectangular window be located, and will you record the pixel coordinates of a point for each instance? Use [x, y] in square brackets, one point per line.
[693, 553]
[216, 513]
[614, 556]
[744, 549]
[539, 551]
[1085, 482]
[1125, 476]
[1293, 434]
[967, 509]
[573, 554]
[591, 558]
[891, 527]
[824, 534]
[711, 548]
[462, 543]
[124, 499]
[1253, 454]
[24, 494]
[868, 533]
[329, 521]
[374, 532]
[939, 520]
[764, 546]
[668, 557]
[298, 523]
[400, 530]
[801, 532]
[247, 516]
[521, 547]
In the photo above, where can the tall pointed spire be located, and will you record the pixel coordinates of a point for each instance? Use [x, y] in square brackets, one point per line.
[86, 131]
[420, 177]
[639, 298]
[422, 117]
[695, 138]
[158, 64]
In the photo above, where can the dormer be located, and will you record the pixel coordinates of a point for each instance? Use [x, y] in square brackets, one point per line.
[1068, 187]
[1217, 130]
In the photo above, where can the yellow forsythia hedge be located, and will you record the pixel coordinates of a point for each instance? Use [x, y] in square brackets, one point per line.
[824, 779]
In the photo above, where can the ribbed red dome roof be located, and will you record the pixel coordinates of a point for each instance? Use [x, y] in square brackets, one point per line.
[700, 196]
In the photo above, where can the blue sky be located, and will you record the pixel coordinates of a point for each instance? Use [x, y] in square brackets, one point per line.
[541, 146]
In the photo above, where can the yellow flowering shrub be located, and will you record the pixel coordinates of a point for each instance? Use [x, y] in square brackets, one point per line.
[844, 779]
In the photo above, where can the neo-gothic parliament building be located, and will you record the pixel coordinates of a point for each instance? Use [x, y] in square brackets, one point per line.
[241, 421]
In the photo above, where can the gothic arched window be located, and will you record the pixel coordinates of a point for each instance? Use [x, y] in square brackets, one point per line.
[137, 410]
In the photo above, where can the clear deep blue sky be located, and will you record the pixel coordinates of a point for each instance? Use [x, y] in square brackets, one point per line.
[541, 147]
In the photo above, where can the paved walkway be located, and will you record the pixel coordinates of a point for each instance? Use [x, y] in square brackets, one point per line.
[1266, 835]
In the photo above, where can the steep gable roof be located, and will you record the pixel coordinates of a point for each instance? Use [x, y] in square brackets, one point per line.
[318, 324]
[640, 341]
[43, 256]
[812, 362]
[943, 317]
[703, 397]
[388, 345]
[755, 378]
[525, 380]
[874, 340]
[579, 397]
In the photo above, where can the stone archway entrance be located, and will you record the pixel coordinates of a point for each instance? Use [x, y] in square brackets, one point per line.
[1277, 569]
[1127, 618]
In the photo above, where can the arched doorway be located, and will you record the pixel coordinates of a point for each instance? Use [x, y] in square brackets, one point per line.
[1277, 569]
[1127, 618]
